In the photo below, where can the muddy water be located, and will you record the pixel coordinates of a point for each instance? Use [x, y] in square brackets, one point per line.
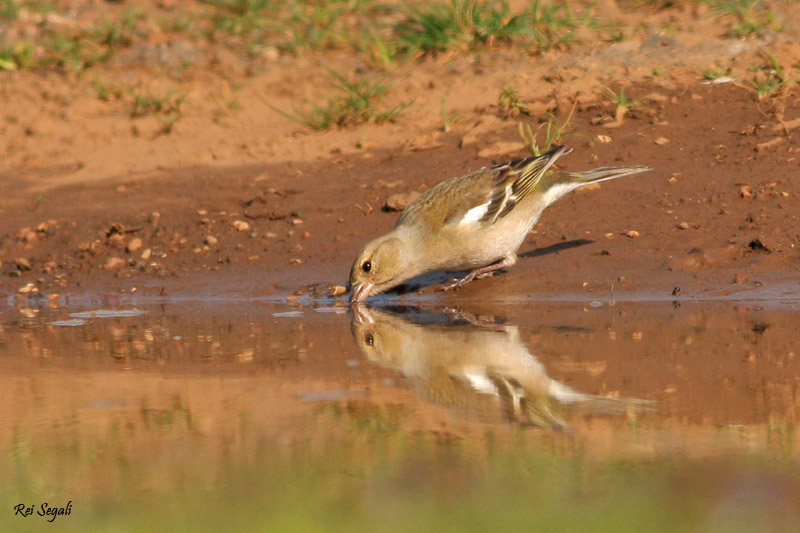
[306, 417]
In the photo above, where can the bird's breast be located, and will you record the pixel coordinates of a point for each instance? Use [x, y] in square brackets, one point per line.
[464, 247]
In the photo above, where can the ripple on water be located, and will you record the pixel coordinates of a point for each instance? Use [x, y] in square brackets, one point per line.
[108, 313]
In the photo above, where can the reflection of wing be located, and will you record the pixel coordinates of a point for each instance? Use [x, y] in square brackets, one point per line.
[485, 371]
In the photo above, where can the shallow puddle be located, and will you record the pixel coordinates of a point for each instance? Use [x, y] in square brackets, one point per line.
[260, 415]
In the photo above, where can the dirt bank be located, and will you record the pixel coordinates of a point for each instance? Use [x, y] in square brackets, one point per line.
[241, 200]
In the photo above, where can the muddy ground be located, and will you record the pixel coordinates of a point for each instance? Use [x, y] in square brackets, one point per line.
[239, 200]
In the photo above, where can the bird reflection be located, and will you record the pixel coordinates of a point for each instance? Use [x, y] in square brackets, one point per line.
[473, 365]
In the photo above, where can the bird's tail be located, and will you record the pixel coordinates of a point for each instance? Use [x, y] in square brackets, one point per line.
[604, 173]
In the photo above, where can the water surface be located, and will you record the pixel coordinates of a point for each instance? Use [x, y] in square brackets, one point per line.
[198, 415]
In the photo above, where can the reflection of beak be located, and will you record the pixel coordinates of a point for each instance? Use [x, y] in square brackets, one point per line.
[360, 291]
[361, 314]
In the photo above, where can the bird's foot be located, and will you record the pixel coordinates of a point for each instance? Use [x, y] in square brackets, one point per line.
[480, 273]
[482, 321]
[456, 284]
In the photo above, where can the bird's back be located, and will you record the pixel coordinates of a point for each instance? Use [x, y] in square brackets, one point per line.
[450, 200]
[482, 197]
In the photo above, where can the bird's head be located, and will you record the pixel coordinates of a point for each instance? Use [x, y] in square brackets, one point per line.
[378, 268]
[391, 340]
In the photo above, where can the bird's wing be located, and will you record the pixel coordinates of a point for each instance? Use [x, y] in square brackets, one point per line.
[483, 197]
[515, 180]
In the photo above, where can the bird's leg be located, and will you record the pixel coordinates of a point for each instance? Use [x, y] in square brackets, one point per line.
[481, 272]
[488, 322]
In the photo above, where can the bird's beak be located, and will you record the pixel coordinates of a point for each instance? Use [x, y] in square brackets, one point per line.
[360, 291]
[361, 314]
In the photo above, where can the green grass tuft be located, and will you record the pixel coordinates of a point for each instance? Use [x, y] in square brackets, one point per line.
[747, 17]
[509, 102]
[356, 103]
[555, 132]
[439, 27]
[770, 78]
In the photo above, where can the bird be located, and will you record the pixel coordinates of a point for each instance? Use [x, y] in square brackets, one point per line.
[474, 223]
[476, 366]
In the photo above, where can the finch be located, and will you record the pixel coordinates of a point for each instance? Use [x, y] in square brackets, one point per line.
[474, 223]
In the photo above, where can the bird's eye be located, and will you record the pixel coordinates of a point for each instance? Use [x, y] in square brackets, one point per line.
[369, 339]
[366, 266]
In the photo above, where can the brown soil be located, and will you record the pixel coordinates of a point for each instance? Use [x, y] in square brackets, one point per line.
[94, 200]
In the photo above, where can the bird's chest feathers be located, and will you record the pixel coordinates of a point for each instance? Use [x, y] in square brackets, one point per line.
[471, 242]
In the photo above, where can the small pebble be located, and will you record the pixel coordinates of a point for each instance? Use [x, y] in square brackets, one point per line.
[27, 288]
[134, 245]
[116, 240]
[399, 201]
[113, 263]
[336, 290]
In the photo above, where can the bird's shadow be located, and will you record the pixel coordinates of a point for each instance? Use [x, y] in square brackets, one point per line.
[555, 248]
[426, 281]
